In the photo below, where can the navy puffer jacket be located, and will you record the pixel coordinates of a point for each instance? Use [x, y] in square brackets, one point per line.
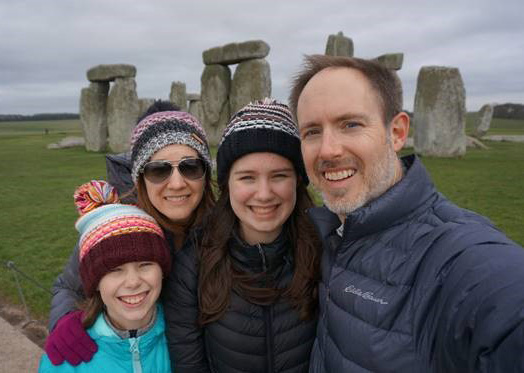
[417, 284]
[249, 337]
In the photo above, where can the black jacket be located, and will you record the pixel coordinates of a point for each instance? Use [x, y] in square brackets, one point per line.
[249, 337]
[417, 284]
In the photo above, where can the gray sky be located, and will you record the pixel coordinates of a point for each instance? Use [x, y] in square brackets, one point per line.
[47, 46]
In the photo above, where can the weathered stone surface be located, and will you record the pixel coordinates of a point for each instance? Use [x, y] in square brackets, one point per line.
[440, 112]
[251, 81]
[215, 84]
[193, 97]
[391, 61]
[472, 142]
[107, 73]
[195, 108]
[93, 115]
[484, 120]
[122, 114]
[178, 95]
[68, 142]
[503, 138]
[339, 45]
[144, 104]
[236, 52]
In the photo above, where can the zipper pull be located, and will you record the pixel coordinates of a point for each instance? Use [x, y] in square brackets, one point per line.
[263, 256]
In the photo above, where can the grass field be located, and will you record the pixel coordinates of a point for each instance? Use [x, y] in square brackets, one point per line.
[37, 212]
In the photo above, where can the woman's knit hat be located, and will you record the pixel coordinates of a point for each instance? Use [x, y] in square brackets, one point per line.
[164, 128]
[261, 126]
[112, 234]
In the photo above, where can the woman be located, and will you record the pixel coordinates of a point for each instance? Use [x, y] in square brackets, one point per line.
[171, 170]
[245, 298]
[123, 256]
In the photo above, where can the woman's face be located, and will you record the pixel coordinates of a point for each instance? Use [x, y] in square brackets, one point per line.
[176, 197]
[262, 192]
[130, 292]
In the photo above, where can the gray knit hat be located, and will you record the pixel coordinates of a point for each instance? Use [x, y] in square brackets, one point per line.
[261, 126]
[164, 128]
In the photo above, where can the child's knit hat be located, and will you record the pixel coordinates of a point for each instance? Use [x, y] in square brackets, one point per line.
[164, 128]
[261, 126]
[112, 234]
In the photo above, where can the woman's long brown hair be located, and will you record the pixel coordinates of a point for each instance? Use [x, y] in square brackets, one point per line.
[217, 277]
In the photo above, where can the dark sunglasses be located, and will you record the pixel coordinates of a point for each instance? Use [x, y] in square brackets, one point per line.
[159, 171]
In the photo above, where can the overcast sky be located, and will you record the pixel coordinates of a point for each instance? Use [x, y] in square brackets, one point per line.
[46, 46]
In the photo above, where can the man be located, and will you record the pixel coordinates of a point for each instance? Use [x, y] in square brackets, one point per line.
[410, 282]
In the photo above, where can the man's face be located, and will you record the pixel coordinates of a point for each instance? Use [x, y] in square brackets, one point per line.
[348, 151]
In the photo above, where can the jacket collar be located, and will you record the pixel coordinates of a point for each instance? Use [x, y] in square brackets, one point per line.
[114, 345]
[412, 193]
[260, 257]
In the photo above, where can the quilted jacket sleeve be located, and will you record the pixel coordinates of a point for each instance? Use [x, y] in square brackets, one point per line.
[185, 337]
[67, 290]
[481, 328]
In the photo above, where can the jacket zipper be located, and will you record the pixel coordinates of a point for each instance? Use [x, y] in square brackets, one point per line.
[137, 367]
[268, 319]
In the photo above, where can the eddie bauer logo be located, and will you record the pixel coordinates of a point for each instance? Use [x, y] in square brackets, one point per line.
[367, 295]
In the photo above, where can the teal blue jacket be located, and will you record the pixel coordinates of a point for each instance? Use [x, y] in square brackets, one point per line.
[146, 353]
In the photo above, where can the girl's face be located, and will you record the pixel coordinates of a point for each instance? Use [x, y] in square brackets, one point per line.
[130, 292]
[262, 192]
[177, 197]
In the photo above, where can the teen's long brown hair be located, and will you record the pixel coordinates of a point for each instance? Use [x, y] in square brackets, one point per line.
[217, 277]
[180, 230]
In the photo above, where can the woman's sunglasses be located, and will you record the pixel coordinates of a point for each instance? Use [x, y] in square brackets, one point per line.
[159, 171]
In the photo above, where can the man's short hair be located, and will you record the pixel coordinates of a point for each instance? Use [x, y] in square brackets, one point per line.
[385, 82]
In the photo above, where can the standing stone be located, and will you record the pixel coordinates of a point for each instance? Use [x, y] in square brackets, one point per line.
[236, 52]
[215, 82]
[193, 97]
[196, 109]
[122, 114]
[440, 112]
[391, 61]
[251, 81]
[178, 95]
[93, 116]
[144, 104]
[339, 45]
[484, 120]
[106, 73]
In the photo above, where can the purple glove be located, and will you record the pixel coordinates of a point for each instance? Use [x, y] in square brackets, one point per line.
[69, 341]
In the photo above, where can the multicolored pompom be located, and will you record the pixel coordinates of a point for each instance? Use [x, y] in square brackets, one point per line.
[94, 194]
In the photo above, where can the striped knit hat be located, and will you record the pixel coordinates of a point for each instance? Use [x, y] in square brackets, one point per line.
[164, 128]
[261, 126]
[112, 234]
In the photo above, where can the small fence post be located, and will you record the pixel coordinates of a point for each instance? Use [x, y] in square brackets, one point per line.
[11, 266]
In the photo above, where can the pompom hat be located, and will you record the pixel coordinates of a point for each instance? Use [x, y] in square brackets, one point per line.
[262, 126]
[164, 128]
[112, 234]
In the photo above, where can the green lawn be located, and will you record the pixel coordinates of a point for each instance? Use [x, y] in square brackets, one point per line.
[37, 212]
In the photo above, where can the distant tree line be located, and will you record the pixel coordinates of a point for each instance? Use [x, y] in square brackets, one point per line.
[509, 111]
[42, 116]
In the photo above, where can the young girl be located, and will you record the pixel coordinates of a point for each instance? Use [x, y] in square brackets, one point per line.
[123, 257]
[244, 299]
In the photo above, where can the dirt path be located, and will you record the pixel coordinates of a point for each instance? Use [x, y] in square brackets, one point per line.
[21, 342]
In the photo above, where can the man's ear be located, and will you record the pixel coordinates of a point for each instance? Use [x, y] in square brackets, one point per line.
[398, 130]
